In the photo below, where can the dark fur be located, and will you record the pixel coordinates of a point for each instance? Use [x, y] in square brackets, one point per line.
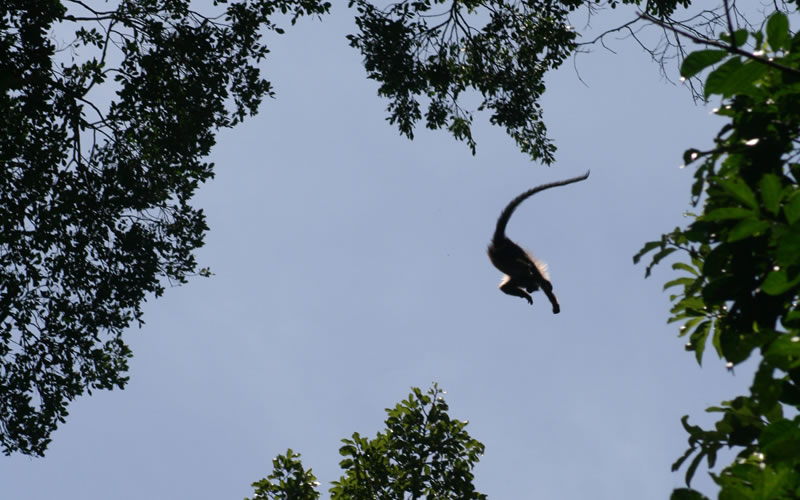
[523, 273]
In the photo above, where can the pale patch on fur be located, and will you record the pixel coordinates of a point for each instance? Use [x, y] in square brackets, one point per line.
[540, 265]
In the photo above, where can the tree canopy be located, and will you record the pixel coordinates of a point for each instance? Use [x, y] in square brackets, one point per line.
[423, 452]
[95, 213]
[742, 257]
[96, 207]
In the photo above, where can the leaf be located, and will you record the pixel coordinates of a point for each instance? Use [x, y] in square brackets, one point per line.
[679, 462]
[788, 244]
[736, 78]
[685, 267]
[658, 258]
[679, 281]
[715, 340]
[771, 192]
[781, 440]
[646, 248]
[747, 228]
[687, 327]
[693, 466]
[693, 430]
[792, 209]
[792, 319]
[739, 190]
[739, 35]
[777, 282]
[778, 31]
[717, 79]
[699, 60]
[690, 155]
[686, 494]
[728, 213]
[698, 340]
[787, 345]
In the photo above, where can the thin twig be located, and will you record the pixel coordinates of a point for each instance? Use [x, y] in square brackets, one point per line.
[730, 23]
[714, 43]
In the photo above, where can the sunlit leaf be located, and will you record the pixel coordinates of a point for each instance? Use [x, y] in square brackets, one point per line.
[698, 340]
[771, 192]
[685, 267]
[728, 213]
[678, 281]
[792, 209]
[738, 78]
[781, 440]
[748, 228]
[778, 31]
[740, 36]
[700, 60]
[777, 282]
[739, 190]
[718, 79]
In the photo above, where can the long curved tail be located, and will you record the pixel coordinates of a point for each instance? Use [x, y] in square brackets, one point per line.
[505, 215]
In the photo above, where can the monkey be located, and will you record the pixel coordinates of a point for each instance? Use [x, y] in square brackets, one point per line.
[522, 273]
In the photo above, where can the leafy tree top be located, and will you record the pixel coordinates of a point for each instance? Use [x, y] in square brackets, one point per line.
[422, 453]
[94, 212]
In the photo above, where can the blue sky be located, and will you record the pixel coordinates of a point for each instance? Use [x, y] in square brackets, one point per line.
[350, 264]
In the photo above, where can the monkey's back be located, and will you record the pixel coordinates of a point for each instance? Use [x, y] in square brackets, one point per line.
[509, 258]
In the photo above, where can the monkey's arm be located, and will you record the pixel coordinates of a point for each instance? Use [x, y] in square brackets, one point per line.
[547, 288]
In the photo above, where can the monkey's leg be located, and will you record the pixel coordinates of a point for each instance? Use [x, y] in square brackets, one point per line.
[511, 287]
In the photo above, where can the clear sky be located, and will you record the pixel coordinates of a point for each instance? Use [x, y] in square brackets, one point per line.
[350, 264]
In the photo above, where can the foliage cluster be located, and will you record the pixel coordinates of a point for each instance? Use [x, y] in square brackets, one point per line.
[423, 453]
[95, 209]
[740, 290]
[95, 212]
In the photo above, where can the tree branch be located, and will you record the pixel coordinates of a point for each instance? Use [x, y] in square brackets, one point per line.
[713, 43]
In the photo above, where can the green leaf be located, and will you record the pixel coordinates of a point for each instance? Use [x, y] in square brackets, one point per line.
[679, 281]
[698, 340]
[777, 282]
[715, 339]
[685, 267]
[771, 192]
[759, 39]
[747, 228]
[778, 31]
[739, 190]
[686, 454]
[781, 440]
[788, 244]
[658, 257]
[693, 466]
[649, 246]
[739, 35]
[698, 61]
[787, 345]
[792, 319]
[734, 77]
[687, 327]
[686, 494]
[792, 209]
[728, 213]
[717, 79]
